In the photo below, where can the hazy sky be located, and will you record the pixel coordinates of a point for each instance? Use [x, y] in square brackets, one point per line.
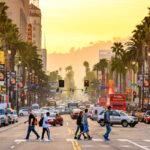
[76, 23]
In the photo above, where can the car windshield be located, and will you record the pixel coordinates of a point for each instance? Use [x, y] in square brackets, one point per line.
[52, 115]
[2, 112]
[123, 114]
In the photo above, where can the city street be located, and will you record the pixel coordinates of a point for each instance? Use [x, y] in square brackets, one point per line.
[137, 138]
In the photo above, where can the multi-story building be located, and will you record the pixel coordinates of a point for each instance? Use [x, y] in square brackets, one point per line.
[35, 22]
[44, 59]
[18, 11]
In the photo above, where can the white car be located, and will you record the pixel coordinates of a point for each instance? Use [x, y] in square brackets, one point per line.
[118, 118]
[44, 110]
[23, 112]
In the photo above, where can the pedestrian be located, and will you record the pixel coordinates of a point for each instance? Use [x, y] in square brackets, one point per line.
[86, 125]
[32, 122]
[107, 122]
[80, 124]
[46, 127]
[77, 130]
[41, 120]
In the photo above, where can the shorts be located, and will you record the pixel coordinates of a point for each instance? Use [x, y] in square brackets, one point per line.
[86, 128]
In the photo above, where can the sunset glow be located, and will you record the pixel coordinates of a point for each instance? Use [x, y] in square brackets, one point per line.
[76, 23]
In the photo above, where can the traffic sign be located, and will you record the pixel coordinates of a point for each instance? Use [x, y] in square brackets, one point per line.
[133, 84]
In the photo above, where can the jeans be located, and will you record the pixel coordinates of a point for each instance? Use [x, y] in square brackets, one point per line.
[48, 133]
[77, 130]
[31, 128]
[108, 130]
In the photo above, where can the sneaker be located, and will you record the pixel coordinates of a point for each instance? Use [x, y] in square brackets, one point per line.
[75, 137]
[42, 140]
[50, 139]
[106, 139]
[38, 138]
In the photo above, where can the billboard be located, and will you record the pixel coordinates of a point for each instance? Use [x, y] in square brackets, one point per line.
[103, 102]
[118, 101]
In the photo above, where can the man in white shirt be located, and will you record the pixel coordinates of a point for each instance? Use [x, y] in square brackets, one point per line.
[45, 126]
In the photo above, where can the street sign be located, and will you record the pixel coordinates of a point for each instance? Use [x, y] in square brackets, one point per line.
[133, 84]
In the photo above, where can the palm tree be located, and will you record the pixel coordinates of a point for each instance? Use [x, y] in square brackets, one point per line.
[87, 66]
[118, 49]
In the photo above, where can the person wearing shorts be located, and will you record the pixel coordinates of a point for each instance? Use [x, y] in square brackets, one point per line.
[85, 125]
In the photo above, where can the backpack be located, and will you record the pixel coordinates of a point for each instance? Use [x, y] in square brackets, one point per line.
[35, 121]
[41, 122]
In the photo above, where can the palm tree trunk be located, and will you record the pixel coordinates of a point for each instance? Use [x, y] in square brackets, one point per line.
[120, 83]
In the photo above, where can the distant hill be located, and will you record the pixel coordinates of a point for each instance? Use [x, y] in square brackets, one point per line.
[76, 57]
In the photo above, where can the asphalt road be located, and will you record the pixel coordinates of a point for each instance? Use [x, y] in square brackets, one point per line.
[137, 138]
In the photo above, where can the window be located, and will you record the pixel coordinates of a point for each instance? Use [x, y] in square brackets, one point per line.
[33, 28]
[34, 21]
[114, 113]
[34, 35]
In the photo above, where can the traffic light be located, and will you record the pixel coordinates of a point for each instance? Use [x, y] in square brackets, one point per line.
[86, 83]
[61, 83]
[134, 94]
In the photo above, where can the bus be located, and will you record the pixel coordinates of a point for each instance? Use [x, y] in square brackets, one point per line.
[51, 102]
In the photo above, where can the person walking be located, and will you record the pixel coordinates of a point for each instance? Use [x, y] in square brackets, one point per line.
[86, 125]
[45, 126]
[31, 121]
[107, 122]
[80, 124]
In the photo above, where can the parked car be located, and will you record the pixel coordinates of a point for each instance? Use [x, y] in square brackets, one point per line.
[3, 117]
[9, 112]
[147, 117]
[118, 118]
[14, 116]
[55, 119]
[75, 113]
[24, 111]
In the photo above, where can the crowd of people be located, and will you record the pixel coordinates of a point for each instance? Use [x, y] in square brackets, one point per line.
[82, 125]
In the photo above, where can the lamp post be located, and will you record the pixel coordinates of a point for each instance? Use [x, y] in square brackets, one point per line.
[17, 85]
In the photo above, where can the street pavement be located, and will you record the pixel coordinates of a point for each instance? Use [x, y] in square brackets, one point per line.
[137, 138]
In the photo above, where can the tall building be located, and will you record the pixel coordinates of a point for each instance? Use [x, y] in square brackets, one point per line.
[18, 11]
[44, 59]
[35, 2]
[106, 54]
[35, 23]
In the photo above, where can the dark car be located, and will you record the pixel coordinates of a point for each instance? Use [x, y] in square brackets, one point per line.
[55, 119]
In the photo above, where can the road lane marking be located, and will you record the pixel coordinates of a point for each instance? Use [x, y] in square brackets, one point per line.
[12, 147]
[74, 146]
[67, 123]
[97, 140]
[131, 142]
[146, 140]
[70, 140]
[125, 146]
[69, 130]
[78, 146]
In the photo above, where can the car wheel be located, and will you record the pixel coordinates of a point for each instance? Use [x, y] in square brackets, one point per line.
[54, 123]
[61, 124]
[21, 114]
[125, 123]
[132, 125]
[102, 123]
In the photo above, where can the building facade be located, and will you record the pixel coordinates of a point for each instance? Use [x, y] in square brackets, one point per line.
[18, 11]
[35, 21]
[44, 59]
